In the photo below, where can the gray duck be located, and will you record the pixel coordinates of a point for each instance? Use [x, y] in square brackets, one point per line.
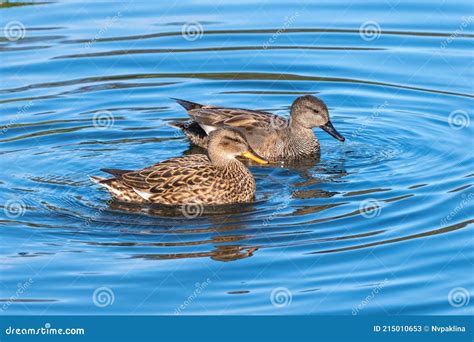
[271, 136]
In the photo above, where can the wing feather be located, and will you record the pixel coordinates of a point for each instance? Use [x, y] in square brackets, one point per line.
[238, 118]
[169, 175]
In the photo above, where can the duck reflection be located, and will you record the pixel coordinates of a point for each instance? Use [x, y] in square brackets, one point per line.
[224, 247]
[221, 253]
[212, 213]
[311, 173]
[215, 231]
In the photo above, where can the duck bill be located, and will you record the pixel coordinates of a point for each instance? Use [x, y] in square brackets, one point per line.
[253, 156]
[329, 128]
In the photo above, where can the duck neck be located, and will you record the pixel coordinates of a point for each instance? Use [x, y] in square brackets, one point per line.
[299, 133]
[230, 164]
[300, 140]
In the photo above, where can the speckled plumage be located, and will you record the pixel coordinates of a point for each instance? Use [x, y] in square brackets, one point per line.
[194, 179]
[271, 136]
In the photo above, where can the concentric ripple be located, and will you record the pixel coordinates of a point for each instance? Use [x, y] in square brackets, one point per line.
[390, 207]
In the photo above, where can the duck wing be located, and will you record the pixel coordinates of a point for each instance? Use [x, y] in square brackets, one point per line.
[176, 175]
[211, 118]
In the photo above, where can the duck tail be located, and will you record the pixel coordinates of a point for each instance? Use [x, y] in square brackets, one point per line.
[193, 131]
[107, 182]
[115, 172]
[97, 179]
[188, 105]
[179, 124]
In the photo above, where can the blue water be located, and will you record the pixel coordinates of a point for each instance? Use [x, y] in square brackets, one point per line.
[382, 224]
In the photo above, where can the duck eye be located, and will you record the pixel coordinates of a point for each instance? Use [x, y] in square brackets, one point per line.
[313, 110]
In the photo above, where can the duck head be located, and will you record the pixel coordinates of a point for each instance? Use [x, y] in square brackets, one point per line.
[227, 144]
[308, 111]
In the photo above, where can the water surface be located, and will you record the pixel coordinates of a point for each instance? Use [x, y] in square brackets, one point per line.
[382, 224]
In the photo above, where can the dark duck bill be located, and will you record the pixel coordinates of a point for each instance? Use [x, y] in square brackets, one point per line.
[329, 128]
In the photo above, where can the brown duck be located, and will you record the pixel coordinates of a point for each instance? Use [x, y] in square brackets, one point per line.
[271, 136]
[216, 178]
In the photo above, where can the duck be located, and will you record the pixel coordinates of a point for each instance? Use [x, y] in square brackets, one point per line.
[273, 137]
[216, 178]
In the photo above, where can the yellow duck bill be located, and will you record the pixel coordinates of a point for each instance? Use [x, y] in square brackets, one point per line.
[252, 156]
